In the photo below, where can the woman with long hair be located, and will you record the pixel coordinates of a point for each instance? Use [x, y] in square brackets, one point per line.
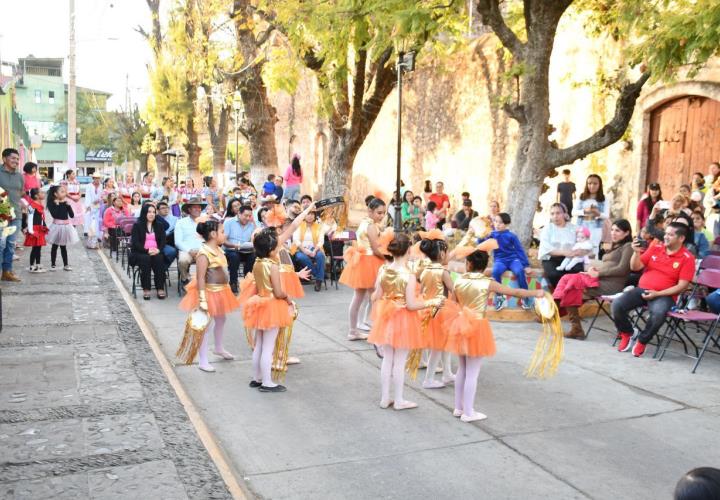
[593, 209]
[293, 179]
[147, 242]
[646, 204]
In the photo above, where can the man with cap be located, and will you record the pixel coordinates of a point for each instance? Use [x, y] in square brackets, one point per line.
[93, 197]
[187, 239]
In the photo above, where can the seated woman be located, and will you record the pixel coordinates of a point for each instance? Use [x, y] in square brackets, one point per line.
[609, 277]
[556, 241]
[147, 242]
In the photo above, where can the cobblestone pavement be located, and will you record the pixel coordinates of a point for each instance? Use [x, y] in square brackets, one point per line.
[85, 410]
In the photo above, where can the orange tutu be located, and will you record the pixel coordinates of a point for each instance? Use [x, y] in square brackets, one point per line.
[247, 288]
[360, 269]
[394, 325]
[219, 303]
[291, 284]
[263, 313]
[435, 334]
[470, 335]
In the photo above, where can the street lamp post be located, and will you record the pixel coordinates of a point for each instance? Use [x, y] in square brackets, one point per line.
[406, 63]
[237, 106]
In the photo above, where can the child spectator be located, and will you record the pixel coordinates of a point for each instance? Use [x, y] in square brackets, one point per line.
[35, 228]
[269, 186]
[511, 255]
[431, 217]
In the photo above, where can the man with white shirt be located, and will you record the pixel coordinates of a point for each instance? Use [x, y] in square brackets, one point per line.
[308, 240]
[93, 197]
[238, 244]
[187, 239]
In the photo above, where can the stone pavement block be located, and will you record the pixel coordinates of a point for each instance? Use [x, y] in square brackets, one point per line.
[157, 480]
[126, 432]
[487, 470]
[329, 414]
[638, 458]
[106, 373]
[71, 487]
[33, 377]
[25, 442]
[57, 310]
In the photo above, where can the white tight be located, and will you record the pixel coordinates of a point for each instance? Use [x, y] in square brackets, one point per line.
[263, 355]
[433, 362]
[218, 326]
[466, 383]
[393, 371]
[357, 300]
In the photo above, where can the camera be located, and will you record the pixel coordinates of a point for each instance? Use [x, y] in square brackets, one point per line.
[641, 242]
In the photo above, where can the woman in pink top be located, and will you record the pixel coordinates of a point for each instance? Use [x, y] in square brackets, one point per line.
[293, 179]
[147, 241]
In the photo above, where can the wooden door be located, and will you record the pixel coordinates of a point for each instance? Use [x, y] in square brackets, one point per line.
[684, 138]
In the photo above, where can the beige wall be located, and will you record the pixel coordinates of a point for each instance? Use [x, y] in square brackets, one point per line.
[448, 125]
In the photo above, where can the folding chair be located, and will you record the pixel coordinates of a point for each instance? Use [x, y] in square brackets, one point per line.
[604, 305]
[677, 319]
[710, 262]
[335, 247]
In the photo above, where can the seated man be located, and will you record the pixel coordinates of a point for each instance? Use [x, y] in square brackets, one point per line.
[305, 201]
[308, 240]
[464, 216]
[667, 268]
[187, 239]
[169, 221]
[238, 244]
[293, 209]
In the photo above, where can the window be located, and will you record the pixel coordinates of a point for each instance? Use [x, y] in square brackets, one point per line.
[51, 97]
[38, 96]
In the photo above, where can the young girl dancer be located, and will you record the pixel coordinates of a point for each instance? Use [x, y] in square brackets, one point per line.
[61, 233]
[210, 290]
[396, 325]
[363, 261]
[35, 229]
[470, 335]
[267, 311]
[435, 283]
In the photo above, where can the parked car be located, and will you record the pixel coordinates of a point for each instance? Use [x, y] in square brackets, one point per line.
[84, 179]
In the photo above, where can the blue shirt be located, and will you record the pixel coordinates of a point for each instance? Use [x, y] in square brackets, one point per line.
[237, 234]
[186, 236]
[509, 248]
[172, 221]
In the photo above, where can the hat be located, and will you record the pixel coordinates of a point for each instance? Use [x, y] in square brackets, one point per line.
[194, 201]
[97, 175]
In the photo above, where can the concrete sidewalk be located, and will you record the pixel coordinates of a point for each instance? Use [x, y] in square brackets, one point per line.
[85, 411]
[607, 426]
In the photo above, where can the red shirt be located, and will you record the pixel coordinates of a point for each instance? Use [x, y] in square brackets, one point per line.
[439, 199]
[663, 271]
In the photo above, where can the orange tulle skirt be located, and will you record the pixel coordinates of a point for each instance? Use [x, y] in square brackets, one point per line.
[247, 288]
[291, 284]
[394, 325]
[360, 269]
[219, 302]
[435, 333]
[470, 335]
[263, 313]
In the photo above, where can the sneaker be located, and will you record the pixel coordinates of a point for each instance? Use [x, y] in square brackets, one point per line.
[500, 302]
[53, 268]
[67, 268]
[525, 304]
[639, 349]
[625, 339]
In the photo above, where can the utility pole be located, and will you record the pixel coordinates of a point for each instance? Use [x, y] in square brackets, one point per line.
[72, 96]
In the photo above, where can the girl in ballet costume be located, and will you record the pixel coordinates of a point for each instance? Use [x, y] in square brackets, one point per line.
[62, 233]
[397, 324]
[470, 335]
[435, 283]
[268, 310]
[363, 261]
[210, 290]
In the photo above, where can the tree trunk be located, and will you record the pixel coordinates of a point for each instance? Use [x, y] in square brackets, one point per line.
[337, 179]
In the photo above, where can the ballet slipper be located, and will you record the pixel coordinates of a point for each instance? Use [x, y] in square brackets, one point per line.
[457, 413]
[207, 368]
[439, 369]
[448, 379]
[224, 355]
[364, 326]
[355, 335]
[386, 404]
[474, 417]
[292, 360]
[432, 384]
[405, 405]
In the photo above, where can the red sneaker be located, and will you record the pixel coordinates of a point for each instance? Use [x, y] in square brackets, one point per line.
[639, 349]
[624, 342]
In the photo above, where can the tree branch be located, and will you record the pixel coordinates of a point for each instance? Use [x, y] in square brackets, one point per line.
[358, 87]
[607, 135]
[516, 111]
[384, 81]
[264, 36]
[491, 16]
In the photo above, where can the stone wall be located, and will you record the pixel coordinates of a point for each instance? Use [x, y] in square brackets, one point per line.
[453, 129]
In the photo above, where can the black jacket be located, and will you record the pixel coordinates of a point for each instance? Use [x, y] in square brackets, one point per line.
[137, 237]
[61, 211]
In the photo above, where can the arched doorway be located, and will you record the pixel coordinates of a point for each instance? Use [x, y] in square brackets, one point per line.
[684, 138]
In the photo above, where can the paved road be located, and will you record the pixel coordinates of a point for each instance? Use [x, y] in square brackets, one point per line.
[608, 426]
[85, 411]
